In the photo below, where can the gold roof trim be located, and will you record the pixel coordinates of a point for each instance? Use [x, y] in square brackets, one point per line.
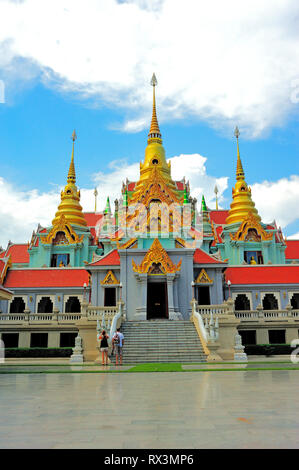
[158, 256]
[62, 226]
[110, 279]
[250, 222]
[203, 278]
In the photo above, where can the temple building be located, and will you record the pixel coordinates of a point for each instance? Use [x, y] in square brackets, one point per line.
[158, 257]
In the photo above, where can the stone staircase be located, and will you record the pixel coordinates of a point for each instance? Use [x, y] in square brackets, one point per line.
[161, 341]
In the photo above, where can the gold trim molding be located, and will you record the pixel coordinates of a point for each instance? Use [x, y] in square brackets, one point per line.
[110, 279]
[203, 278]
[62, 226]
[250, 222]
[156, 257]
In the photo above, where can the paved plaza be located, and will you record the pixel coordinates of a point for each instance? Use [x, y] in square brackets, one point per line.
[227, 409]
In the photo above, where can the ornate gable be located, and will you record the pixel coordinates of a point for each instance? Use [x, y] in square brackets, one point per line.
[110, 279]
[203, 278]
[251, 230]
[65, 228]
[156, 261]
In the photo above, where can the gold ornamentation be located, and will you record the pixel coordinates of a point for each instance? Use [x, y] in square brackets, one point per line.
[62, 226]
[250, 222]
[203, 278]
[110, 279]
[129, 244]
[156, 259]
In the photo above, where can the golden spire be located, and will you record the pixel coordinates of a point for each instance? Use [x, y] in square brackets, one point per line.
[70, 206]
[71, 177]
[154, 132]
[242, 204]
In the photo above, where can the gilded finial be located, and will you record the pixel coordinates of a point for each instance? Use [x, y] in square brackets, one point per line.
[240, 172]
[95, 198]
[154, 132]
[216, 190]
[71, 177]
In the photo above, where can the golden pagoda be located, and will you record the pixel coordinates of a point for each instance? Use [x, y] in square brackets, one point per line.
[242, 204]
[70, 206]
[155, 170]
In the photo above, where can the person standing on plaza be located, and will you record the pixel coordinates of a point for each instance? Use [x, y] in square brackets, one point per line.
[104, 347]
[118, 342]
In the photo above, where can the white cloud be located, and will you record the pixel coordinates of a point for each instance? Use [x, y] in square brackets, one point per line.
[222, 62]
[22, 210]
[277, 200]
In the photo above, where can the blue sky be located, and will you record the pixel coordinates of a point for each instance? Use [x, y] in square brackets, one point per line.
[56, 81]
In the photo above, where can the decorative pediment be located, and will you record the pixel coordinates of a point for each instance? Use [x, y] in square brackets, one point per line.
[62, 233]
[156, 261]
[203, 278]
[129, 244]
[251, 230]
[110, 279]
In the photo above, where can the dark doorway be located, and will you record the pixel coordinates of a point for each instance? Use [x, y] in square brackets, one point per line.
[242, 303]
[45, 305]
[67, 340]
[11, 340]
[270, 302]
[203, 295]
[39, 340]
[157, 300]
[277, 336]
[295, 301]
[73, 305]
[17, 305]
[248, 336]
[110, 297]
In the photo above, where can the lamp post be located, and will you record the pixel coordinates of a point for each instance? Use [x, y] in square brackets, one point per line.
[84, 292]
[120, 292]
[228, 282]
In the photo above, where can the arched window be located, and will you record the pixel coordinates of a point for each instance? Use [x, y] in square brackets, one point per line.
[295, 301]
[45, 305]
[17, 305]
[270, 302]
[73, 305]
[242, 302]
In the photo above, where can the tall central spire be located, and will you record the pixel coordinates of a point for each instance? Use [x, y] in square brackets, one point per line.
[154, 132]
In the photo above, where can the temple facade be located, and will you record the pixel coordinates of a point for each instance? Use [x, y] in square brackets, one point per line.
[158, 255]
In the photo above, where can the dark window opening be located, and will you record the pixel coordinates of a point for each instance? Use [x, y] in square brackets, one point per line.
[248, 337]
[110, 297]
[155, 161]
[11, 340]
[295, 301]
[270, 302]
[242, 302]
[73, 305]
[39, 340]
[253, 257]
[60, 260]
[17, 305]
[45, 305]
[67, 340]
[203, 295]
[277, 336]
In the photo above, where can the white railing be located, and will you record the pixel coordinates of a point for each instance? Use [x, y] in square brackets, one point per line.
[208, 328]
[40, 317]
[246, 314]
[97, 313]
[213, 309]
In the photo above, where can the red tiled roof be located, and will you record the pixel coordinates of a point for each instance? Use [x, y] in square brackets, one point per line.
[19, 253]
[219, 217]
[92, 218]
[111, 259]
[292, 249]
[201, 257]
[46, 278]
[284, 274]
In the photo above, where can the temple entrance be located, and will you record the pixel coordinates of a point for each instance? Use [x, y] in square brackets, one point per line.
[157, 305]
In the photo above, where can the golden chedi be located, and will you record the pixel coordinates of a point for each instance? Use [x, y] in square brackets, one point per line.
[242, 203]
[70, 198]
